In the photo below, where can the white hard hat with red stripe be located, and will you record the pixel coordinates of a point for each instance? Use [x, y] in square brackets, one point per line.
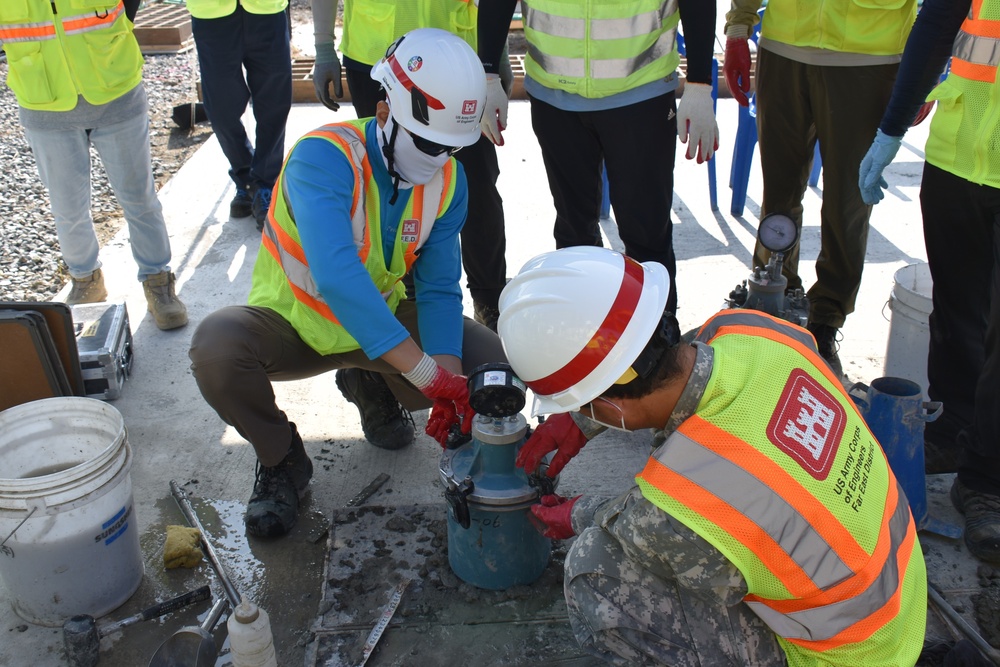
[574, 320]
[436, 86]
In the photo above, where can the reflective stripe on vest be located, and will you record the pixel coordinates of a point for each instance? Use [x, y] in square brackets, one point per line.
[570, 49]
[819, 586]
[72, 25]
[427, 203]
[976, 52]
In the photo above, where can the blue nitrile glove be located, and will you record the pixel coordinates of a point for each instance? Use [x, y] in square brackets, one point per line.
[327, 71]
[881, 153]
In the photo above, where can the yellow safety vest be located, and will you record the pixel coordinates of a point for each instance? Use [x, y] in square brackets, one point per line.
[965, 129]
[61, 49]
[873, 27]
[597, 48]
[213, 9]
[370, 27]
[281, 278]
[785, 478]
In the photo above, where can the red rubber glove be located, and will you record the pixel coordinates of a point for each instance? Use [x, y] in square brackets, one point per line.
[925, 111]
[736, 67]
[554, 516]
[559, 434]
[450, 394]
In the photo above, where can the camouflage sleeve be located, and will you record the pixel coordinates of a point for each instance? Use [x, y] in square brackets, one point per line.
[662, 544]
[742, 17]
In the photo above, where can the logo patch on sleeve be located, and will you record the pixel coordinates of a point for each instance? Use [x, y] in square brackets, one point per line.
[411, 231]
[807, 424]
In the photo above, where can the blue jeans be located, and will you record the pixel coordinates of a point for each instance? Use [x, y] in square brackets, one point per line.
[259, 43]
[63, 158]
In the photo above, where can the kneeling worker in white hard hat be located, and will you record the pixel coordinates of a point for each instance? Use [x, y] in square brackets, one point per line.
[766, 529]
[357, 205]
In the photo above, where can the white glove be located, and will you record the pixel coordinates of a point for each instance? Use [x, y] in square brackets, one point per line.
[696, 118]
[495, 117]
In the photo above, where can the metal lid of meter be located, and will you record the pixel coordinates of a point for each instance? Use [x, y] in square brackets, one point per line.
[505, 488]
[777, 232]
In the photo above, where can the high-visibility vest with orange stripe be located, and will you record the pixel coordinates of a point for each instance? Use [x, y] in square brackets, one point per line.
[778, 470]
[281, 277]
[370, 27]
[62, 49]
[965, 128]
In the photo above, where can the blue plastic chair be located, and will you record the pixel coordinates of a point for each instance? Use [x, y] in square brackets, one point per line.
[713, 190]
[743, 148]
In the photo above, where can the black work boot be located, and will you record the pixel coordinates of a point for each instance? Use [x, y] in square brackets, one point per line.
[274, 505]
[384, 421]
[826, 343]
[486, 315]
[982, 520]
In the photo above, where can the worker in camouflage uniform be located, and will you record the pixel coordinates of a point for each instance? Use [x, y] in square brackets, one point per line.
[765, 529]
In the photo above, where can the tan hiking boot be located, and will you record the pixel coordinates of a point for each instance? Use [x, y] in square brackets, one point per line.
[167, 309]
[88, 290]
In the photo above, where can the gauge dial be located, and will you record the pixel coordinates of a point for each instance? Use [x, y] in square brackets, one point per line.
[777, 232]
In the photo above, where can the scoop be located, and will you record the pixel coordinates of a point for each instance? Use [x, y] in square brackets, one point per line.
[192, 646]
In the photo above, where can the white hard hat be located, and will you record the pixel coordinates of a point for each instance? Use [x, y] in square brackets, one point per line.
[436, 86]
[573, 321]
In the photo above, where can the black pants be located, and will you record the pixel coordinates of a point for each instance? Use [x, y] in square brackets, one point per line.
[484, 241]
[238, 351]
[962, 235]
[259, 44]
[636, 144]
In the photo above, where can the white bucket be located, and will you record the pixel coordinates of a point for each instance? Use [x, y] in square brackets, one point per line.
[66, 503]
[909, 334]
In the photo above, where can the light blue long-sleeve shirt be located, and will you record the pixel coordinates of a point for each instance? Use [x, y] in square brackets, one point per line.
[319, 180]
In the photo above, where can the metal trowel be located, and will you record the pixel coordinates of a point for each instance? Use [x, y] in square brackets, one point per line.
[192, 646]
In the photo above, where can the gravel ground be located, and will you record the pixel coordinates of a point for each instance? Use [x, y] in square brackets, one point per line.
[31, 266]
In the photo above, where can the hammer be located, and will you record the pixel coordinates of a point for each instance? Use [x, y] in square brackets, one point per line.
[82, 636]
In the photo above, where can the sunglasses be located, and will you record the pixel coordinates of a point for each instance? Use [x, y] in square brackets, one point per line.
[428, 147]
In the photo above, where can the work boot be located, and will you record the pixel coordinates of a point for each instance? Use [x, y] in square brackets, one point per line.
[88, 290]
[261, 202]
[826, 343]
[982, 520]
[274, 506]
[241, 205]
[486, 315]
[167, 309]
[384, 421]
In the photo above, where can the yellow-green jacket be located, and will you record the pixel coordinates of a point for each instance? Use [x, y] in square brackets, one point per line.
[597, 48]
[213, 9]
[370, 26]
[59, 50]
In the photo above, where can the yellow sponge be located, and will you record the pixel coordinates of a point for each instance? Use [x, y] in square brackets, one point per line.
[182, 548]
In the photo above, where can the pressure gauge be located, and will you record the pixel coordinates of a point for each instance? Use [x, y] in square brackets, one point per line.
[777, 232]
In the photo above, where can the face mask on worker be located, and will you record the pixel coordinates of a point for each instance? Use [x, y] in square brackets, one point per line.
[412, 164]
[621, 415]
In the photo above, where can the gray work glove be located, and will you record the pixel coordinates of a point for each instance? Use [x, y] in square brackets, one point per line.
[327, 71]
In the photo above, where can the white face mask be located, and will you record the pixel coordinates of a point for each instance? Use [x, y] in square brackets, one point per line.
[621, 415]
[412, 164]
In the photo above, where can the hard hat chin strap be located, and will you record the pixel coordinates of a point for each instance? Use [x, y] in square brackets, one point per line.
[666, 336]
[388, 150]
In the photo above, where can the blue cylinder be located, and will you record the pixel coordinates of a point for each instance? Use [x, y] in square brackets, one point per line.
[492, 543]
[896, 412]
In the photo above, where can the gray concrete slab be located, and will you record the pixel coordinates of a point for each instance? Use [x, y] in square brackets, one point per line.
[176, 436]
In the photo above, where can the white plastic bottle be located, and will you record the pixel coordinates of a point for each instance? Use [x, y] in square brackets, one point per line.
[250, 641]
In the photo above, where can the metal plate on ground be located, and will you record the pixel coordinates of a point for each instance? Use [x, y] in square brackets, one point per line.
[440, 620]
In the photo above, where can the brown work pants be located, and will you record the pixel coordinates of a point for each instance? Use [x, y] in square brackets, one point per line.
[841, 107]
[237, 352]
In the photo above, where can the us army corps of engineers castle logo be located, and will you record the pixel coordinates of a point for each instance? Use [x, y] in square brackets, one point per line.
[807, 424]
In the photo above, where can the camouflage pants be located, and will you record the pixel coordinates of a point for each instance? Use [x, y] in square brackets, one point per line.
[625, 615]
